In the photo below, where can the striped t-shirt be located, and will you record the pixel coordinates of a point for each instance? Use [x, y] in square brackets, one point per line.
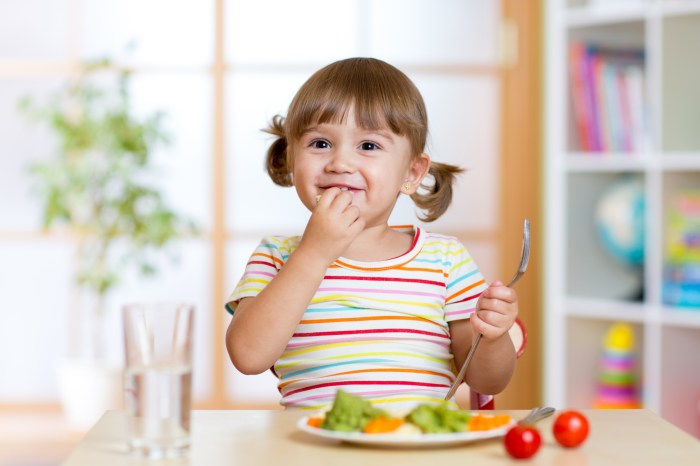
[375, 329]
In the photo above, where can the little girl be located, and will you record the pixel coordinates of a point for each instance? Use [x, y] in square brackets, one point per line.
[385, 312]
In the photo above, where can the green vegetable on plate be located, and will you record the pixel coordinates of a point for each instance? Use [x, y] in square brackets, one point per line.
[350, 413]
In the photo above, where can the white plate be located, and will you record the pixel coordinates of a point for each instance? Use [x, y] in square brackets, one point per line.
[403, 440]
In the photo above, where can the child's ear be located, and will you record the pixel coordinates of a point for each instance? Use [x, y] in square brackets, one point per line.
[416, 172]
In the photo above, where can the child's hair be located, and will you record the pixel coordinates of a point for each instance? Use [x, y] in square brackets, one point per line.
[381, 96]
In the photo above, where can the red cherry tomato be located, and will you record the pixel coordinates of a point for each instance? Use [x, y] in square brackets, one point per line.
[570, 429]
[522, 441]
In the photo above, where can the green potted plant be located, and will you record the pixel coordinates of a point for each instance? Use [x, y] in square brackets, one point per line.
[96, 186]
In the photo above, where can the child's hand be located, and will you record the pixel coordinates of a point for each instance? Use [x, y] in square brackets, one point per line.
[496, 311]
[333, 225]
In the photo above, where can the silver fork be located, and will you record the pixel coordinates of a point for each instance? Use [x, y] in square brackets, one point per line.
[524, 260]
[537, 414]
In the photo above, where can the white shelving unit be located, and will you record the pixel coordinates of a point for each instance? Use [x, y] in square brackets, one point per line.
[585, 290]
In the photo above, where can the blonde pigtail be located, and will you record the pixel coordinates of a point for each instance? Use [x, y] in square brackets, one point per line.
[435, 198]
[276, 161]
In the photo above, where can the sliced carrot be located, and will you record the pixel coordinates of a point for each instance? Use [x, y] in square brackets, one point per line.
[314, 421]
[382, 425]
[502, 419]
[487, 422]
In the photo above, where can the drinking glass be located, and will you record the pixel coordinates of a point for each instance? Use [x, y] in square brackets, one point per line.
[158, 378]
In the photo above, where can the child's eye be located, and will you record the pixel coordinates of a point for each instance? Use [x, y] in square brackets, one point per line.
[319, 144]
[369, 146]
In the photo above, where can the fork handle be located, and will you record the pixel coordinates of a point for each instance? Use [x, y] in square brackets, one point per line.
[536, 414]
[463, 370]
[470, 355]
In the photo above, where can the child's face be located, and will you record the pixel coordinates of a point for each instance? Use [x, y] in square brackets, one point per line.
[373, 164]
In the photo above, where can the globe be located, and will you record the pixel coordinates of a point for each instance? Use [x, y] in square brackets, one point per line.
[620, 220]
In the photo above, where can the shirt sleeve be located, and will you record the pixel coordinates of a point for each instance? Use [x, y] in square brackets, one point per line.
[465, 283]
[262, 267]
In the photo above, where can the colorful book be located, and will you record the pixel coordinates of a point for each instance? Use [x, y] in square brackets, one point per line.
[608, 97]
[579, 94]
[681, 284]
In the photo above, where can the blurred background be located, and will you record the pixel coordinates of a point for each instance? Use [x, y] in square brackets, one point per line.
[578, 114]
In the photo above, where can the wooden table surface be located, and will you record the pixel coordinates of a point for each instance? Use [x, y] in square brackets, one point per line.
[247, 437]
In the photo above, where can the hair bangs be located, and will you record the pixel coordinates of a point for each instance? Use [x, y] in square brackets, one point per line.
[378, 95]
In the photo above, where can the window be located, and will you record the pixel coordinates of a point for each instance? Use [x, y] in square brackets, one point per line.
[220, 69]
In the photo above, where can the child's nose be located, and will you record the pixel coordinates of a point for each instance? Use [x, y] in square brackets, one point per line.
[341, 161]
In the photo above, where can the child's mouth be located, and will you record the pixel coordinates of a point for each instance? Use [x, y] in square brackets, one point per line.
[342, 188]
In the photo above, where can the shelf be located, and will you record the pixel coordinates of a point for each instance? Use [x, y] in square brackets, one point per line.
[688, 162]
[605, 162]
[586, 16]
[671, 8]
[623, 86]
[628, 162]
[681, 317]
[613, 310]
[605, 309]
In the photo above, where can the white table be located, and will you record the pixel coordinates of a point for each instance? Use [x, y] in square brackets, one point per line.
[271, 438]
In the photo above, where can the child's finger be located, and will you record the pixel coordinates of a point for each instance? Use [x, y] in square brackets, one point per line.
[482, 326]
[490, 326]
[501, 293]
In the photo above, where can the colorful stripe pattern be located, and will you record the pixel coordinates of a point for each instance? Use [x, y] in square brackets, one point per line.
[379, 329]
